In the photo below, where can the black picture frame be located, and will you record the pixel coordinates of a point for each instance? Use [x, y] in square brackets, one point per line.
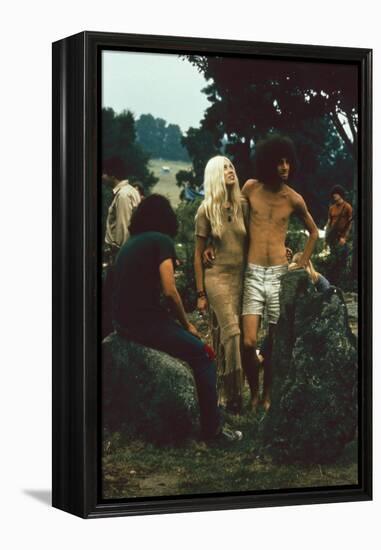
[76, 353]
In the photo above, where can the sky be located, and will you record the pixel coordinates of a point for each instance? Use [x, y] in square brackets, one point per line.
[161, 84]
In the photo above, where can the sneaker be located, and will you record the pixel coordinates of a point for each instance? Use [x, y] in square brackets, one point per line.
[227, 435]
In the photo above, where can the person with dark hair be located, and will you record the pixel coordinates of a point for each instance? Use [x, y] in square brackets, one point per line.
[336, 234]
[144, 267]
[339, 218]
[271, 202]
[119, 199]
[125, 199]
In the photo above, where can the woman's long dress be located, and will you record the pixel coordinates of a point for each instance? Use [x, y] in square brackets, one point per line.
[223, 285]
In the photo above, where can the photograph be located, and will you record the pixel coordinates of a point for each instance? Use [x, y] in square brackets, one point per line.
[229, 201]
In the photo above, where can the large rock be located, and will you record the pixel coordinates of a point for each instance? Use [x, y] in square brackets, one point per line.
[314, 400]
[147, 393]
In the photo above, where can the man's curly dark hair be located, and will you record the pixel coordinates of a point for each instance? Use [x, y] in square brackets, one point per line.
[154, 213]
[114, 167]
[268, 154]
[338, 190]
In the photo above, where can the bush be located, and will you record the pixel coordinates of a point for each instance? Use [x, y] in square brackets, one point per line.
[185, 239]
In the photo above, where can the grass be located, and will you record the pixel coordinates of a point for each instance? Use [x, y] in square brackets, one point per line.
[137, 469]
[167, 180]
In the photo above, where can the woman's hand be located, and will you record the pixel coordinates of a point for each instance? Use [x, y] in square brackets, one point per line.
[202, 305]
[208, 256]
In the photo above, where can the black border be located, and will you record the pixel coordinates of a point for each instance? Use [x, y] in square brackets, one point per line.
[76, 388]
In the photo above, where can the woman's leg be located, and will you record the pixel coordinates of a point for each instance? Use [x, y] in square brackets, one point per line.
[232, 375]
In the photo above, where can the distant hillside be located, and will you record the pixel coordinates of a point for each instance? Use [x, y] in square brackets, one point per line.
[167, 179]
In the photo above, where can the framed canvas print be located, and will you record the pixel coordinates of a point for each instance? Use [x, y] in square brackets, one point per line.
[212, 274]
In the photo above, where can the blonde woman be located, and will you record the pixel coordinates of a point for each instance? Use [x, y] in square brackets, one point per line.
[220, 223]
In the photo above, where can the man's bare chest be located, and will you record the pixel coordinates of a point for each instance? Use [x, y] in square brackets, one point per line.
[275, 209]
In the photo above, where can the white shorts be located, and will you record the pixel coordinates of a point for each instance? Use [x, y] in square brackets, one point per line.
[261, 290]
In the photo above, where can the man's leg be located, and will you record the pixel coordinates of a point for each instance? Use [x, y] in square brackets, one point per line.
[273, 284]
[268, 375]
[250, 325]
[171, 338]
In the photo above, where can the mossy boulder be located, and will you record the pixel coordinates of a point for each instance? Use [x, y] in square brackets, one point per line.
[146, 393]
[314, 400]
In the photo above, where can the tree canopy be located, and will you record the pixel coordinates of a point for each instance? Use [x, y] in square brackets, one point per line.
[119, 141]
[159, 139]
[313, 103]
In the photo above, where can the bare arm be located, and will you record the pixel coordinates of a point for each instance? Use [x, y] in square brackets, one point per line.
[329, 221]
[348, 226]
[345, 237]
[303, 214]
[168, 284]
[199, 271]
[248, 187]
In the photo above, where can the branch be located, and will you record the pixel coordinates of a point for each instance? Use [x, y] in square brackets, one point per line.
[353, 128]
[342, 133]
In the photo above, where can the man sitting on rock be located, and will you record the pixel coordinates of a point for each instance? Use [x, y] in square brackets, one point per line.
[144, 266]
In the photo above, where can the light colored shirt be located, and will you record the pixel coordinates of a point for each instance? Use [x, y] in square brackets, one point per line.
[126, 199]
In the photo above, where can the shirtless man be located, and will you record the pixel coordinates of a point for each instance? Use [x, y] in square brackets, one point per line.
[271, 202]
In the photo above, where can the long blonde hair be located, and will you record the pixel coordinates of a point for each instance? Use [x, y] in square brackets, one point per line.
[216, 195]
[310, 268]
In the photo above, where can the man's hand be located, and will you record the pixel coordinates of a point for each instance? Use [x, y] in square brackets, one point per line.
[208, 256]
[342, 241]
[289, 254]
[202, 305]
[192, 329]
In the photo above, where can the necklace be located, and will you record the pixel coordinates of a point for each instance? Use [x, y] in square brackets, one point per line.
[228, 208]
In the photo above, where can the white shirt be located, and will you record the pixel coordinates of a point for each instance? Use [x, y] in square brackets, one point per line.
[126, 199]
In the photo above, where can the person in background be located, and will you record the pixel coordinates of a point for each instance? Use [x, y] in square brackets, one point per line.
[339, 218]
[120, 206]
[320, 282]
[336, 234]
[125, 199]
[145, 268]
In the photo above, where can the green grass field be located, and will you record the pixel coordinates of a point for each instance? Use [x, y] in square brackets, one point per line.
[167, 180]
[137, 469]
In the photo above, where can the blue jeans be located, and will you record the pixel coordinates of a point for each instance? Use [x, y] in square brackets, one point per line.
[173, 339]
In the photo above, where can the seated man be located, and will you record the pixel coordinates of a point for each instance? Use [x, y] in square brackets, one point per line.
[144, 266]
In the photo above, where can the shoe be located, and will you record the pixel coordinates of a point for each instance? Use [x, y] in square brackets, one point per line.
[228, 435]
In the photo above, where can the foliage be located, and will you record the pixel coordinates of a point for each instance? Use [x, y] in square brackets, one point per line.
[201, 145]
[119, 141]
[339, 267]
[160, 140]
[315, 105]
[185, 279]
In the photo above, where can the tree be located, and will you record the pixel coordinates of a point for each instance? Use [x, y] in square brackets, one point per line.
[201, 145]
[160, 140]
[119, 141]
[315, 104]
